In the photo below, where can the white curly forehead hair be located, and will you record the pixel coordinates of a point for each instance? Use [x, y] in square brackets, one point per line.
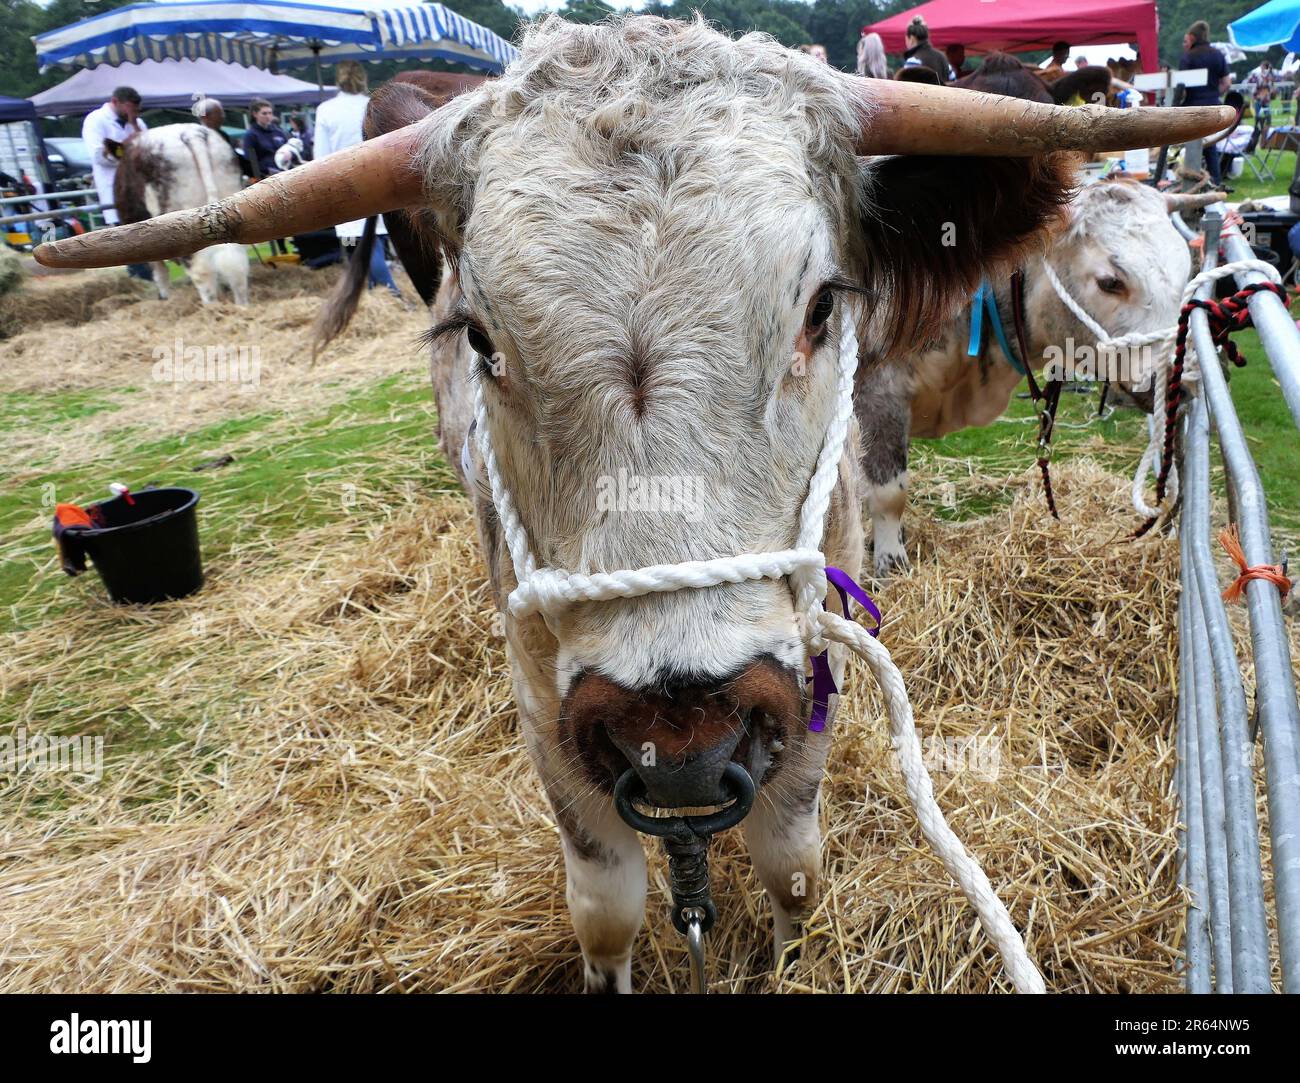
[623, 153]
[649, 181]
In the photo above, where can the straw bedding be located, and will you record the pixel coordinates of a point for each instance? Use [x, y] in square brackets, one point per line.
[101, 333]
[338, 798]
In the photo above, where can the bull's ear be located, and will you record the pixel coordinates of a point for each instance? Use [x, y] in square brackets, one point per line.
[933, 227]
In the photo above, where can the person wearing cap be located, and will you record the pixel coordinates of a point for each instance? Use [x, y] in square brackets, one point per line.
[913, 71]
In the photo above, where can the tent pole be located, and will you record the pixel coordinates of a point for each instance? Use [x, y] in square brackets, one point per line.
[315, 52]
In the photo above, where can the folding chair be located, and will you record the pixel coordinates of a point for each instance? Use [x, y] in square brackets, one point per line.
[1276, 142]
[1259, 166]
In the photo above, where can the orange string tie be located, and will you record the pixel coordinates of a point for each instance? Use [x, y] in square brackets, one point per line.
[1273, 573]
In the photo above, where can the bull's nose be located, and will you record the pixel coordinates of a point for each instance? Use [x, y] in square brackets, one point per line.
[692, 778]
[680, 737]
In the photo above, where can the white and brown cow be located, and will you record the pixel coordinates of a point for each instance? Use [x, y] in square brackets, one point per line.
[651, 230]
[1116, 254]
[173, 168]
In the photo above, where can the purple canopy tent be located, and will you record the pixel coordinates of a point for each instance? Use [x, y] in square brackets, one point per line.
[174, 84]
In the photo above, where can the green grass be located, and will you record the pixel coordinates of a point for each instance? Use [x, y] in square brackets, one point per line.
[1270, 430]
[1248, 187]
[1010, 443]
[18, 408]
[288, 473]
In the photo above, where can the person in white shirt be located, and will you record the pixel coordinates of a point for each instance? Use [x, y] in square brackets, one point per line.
[118, 120]
[338, 126]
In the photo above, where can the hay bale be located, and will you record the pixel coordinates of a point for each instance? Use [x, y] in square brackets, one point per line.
[62, 300]
[11, 270]
[355, 811]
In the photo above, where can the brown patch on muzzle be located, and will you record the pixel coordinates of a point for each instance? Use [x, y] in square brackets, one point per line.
[679, 738]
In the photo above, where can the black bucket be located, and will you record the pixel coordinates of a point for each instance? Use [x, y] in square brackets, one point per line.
[147, 551]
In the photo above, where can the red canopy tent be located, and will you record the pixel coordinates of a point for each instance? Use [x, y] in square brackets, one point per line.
[1015, 26]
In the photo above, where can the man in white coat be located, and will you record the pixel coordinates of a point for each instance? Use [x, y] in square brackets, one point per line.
[338, 126]
[118, 120]
[115, 122]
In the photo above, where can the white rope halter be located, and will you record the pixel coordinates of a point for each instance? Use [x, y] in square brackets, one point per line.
[545, 590]
[1150, 461]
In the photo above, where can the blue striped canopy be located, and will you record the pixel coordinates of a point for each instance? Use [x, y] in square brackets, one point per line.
[273, 34]
[1276, 23]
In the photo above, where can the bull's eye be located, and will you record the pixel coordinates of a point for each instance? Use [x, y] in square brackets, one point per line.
[479, 342]
[1111, 284]
[819, 311]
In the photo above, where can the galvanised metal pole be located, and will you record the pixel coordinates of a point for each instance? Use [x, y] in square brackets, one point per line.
[1275, 694]
[1250, 966]
[1210, 778]
[1204, 714]
[1277, 330]
[1183, 228]
[1192, 868]
[49, 197]
[35, 216]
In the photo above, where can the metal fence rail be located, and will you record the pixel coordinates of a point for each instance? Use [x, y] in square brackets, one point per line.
[49, 197]
[81, 201]
[36, 216]
[1227, 929]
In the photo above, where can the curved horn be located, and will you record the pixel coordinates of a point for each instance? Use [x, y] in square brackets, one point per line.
[913, 118]
[1191, 201]
[375, 176]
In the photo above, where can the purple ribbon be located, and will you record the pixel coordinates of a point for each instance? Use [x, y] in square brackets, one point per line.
[823, 681]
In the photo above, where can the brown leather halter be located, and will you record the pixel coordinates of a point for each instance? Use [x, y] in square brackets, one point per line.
[1046, 399]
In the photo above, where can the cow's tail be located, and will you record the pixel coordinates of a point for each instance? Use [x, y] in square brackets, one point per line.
[202, 161]
[341, 305]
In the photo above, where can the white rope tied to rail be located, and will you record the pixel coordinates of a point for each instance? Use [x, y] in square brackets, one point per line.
[543, 590]
[1149, 464]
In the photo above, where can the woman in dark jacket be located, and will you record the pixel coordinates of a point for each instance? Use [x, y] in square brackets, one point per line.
[263, 138]
[918, 46]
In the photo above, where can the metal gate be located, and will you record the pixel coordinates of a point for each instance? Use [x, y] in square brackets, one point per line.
[1228, 931]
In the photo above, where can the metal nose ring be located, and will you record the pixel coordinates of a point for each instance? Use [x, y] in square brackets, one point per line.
[736, 782]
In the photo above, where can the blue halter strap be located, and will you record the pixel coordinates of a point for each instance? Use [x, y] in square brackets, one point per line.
[984, 302]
